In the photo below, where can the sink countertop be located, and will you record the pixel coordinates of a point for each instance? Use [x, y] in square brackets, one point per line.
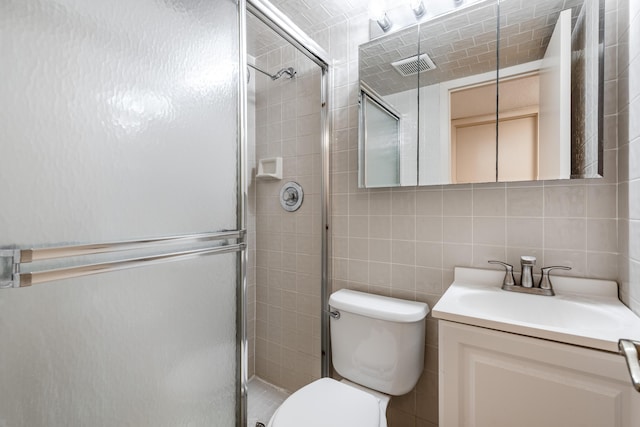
[584, 312]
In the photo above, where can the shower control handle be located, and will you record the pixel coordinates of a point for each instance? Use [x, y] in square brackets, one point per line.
[290, 195]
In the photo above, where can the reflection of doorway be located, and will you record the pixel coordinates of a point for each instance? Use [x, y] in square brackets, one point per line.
[473, 132]
[473, 147]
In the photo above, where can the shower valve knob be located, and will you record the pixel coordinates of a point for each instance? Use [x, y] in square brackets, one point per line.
[291, 196]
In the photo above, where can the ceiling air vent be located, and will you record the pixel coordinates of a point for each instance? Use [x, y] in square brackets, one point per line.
[414, 65]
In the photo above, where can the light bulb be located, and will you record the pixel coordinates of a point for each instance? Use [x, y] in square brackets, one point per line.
[377, 9]
[418, 8]
[377, 12]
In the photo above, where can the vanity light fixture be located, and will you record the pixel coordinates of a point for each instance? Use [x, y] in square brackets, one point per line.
[384, 22]
[418, 8]
[378, 13]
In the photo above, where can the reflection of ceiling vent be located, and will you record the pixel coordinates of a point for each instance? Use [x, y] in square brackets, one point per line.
[414, 65]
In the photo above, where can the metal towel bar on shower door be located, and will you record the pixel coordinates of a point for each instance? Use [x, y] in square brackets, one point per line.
[22, 256]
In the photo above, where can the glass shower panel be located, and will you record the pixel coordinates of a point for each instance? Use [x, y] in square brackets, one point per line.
[287, 264]
[118, 119]
[152, 346]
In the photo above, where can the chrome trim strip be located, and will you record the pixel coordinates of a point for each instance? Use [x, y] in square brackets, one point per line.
[41, 254]
[35, 278]
[325, 201]
[242, 343]
[378, 99]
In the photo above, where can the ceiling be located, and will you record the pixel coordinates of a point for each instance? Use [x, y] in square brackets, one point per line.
[311, 16]
[464, 43]
[460, 44]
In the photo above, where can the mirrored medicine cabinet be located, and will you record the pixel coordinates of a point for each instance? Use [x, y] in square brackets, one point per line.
[498, 91]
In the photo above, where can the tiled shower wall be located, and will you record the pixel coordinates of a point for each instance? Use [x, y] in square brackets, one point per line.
[288, 244]
[405, 242]
[629, 151]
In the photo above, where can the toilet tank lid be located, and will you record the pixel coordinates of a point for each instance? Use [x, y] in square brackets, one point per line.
[378, 307]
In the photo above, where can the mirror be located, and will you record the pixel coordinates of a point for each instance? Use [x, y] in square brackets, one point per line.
[388, 129]
[543, 120]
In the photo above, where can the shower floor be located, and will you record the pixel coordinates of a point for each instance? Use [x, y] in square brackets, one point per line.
[264, 399]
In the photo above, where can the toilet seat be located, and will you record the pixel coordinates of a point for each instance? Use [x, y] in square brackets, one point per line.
[327, 402]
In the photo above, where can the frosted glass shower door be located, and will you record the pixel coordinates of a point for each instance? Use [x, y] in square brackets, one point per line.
[118, 123]
[145, 347]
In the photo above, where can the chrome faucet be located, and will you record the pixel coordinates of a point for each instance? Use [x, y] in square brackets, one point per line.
[526, 267]
[544, 286]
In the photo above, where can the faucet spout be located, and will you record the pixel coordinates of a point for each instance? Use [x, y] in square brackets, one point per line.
[527, 263]
[526, 280]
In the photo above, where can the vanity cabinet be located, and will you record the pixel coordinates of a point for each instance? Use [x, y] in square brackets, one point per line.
[490, 378]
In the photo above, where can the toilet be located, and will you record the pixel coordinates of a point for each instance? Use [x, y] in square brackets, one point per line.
[377, 346]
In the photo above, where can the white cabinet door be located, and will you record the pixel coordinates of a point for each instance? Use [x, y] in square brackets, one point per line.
[496, 379]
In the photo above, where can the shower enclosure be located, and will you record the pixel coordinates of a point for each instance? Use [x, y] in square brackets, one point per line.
[287, 269]
[124, 143]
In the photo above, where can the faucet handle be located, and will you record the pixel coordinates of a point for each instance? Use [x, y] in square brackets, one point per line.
[509, 280]
[545, 280]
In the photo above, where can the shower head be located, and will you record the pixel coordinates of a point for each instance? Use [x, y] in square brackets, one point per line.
[288, 71]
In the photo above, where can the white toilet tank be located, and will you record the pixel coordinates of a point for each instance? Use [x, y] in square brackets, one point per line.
[378, 342]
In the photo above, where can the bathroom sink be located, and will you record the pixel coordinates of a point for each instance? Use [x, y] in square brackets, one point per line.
[583, 312]
[552, 312]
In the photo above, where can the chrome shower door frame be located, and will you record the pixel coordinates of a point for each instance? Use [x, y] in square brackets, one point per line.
[284, 27]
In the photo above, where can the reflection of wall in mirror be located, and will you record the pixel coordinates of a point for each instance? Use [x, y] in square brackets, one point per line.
[555, 102]
[586, 158]
[433, 155]
[405, 104]
[473, 132]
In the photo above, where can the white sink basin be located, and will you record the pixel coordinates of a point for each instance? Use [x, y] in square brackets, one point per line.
[584, 312]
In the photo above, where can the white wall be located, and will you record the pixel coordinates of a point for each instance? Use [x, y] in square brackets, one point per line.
[405, 103]
[432, 153]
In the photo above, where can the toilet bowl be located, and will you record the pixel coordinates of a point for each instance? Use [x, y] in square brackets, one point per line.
[378, 347]
[327, 402]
